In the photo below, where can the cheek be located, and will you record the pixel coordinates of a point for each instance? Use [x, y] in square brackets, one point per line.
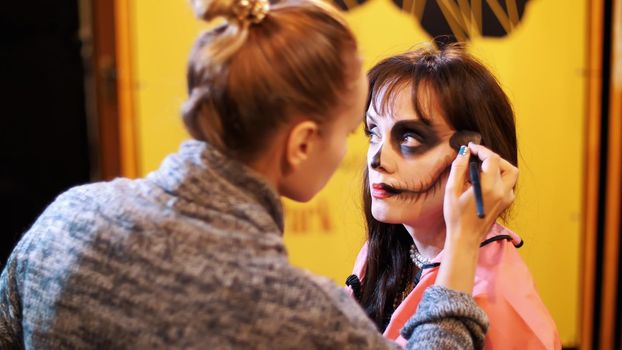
[340, 150]
[424, 208]
[426, 167]
[344, 147]
[427, 203]
[337, 150]
[418, 169]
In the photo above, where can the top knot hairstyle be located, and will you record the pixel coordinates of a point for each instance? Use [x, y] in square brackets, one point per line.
[266, 63]
[242, 10]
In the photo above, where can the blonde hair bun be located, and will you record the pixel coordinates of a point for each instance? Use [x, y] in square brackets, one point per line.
[244, 11]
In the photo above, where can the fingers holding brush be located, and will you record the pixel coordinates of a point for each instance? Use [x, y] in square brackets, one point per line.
[498, 179]
[475, 195]
[456, 182]
[459, 207]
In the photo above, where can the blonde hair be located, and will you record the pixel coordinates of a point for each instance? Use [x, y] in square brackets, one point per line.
[247, 76]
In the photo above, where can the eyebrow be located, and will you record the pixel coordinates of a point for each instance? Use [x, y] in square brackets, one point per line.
[420, 120]
[414, 123]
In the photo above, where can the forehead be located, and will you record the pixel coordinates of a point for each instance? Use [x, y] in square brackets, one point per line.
[395, 102]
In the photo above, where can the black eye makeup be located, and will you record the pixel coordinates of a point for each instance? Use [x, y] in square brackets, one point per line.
[372, 132]
[412, 137]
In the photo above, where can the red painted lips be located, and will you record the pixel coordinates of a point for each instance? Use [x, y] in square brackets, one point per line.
[382, 190]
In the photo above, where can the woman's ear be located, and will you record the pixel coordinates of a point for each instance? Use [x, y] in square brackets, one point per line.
[301, 141]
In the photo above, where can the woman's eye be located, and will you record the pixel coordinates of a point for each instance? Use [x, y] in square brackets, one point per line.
[373, 134]
[410, 140]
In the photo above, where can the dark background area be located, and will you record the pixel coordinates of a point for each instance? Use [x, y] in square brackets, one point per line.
[43, 137]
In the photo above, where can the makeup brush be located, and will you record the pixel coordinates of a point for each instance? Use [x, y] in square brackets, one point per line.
[463, 137]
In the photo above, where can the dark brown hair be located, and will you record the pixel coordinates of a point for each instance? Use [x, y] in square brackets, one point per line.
[471, 99]
[245, 79]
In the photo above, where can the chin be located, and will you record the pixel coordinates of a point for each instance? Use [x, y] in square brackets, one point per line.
[298, 195]
[399, 213]
[301, 197]
[383, 213]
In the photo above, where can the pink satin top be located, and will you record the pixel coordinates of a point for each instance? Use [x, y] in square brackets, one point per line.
[503, 287]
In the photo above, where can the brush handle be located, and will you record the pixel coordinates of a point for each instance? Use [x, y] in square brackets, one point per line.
[477, 187]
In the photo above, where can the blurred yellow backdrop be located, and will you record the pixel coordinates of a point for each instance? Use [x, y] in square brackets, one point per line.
[542, 67]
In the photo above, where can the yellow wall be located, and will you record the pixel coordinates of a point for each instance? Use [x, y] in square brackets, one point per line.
[541, 66]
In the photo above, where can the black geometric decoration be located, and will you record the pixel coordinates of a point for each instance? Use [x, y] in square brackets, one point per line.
[450, 21]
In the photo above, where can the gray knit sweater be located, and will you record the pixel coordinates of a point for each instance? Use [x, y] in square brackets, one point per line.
[191, 257]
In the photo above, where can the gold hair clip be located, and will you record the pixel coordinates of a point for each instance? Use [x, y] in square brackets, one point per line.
[251, 10]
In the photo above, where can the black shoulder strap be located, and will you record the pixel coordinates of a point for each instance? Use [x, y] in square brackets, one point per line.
[484, 243]
[500, 238]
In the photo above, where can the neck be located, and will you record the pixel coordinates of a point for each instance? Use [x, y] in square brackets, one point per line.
[267, 165]
[429, 237]
[268, 173]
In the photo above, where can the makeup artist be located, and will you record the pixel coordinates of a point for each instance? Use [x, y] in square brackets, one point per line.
[422, 106]
[192, 255]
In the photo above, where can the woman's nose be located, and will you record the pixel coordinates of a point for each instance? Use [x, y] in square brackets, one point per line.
[375, 159]
[382, 160]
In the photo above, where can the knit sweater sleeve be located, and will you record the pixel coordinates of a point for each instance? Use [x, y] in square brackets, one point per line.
[29, 277]
[446, 319]
[342, 324]
[10, 329]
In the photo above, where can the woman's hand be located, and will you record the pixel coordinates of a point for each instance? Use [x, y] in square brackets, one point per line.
[497, 177]
[465, 230]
